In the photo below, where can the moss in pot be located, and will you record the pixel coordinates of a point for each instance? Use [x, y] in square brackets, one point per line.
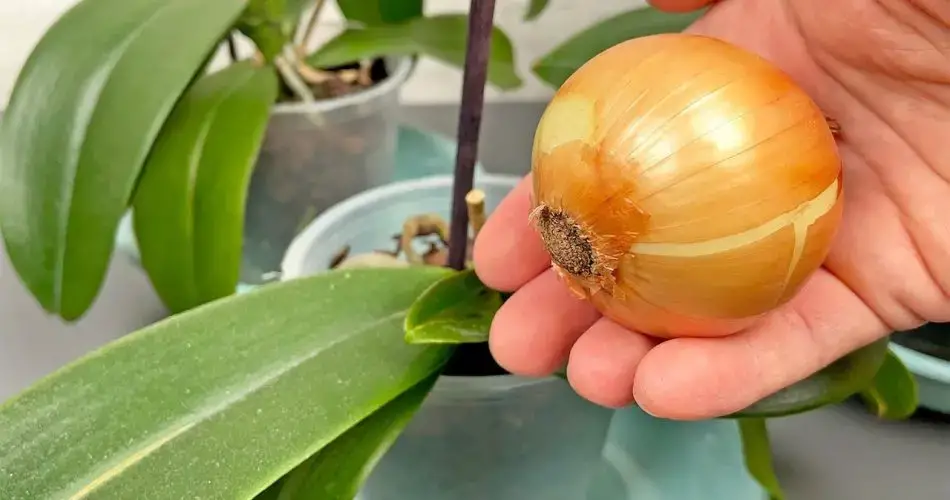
[293, 390]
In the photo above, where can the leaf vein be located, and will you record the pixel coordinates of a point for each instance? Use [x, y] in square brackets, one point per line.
[212, 408]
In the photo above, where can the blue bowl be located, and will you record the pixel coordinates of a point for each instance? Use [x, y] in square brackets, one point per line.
[932, 374]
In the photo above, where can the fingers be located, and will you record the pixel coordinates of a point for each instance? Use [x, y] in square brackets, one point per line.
[534, 330]
[688, 379]
[539, 325]
[679, 5]
[508, 252]
[603, 363]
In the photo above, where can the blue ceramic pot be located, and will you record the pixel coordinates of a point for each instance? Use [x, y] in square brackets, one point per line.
[510, 438]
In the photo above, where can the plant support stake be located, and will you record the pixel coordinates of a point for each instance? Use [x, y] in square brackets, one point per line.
[470, 118]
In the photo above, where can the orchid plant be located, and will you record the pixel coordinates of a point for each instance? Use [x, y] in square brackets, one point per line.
[292, 390]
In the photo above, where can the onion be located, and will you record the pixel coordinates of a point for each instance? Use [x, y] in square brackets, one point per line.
[684, 186]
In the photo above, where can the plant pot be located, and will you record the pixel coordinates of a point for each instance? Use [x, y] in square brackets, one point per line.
[510, 438]
[926, 353]
[305, 167]
[315, 156]
[648, 458]
[312, 157]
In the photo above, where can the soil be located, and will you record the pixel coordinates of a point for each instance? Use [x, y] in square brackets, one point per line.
[473, 360]
[341, 80]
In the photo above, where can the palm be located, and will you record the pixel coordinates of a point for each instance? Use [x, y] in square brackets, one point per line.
[875, 67]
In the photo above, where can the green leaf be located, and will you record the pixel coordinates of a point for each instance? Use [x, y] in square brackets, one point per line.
[535, 8]
[440, 37]
[758, 455]
[268, 9]
[276, 20]
[833, 384]
[559, 64]
[188, 210]
[337, 472]
[222, 400]
[378, 12]
[456, 310]
[893, 394]
[83, 114]
[269, 24]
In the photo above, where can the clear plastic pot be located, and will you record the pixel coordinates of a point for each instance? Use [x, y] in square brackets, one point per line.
[315, 156]
[648, 458]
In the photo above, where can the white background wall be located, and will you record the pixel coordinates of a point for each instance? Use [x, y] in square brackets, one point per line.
[22, 22]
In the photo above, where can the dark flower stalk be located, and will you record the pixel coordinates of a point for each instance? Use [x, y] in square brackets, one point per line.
[469, 125]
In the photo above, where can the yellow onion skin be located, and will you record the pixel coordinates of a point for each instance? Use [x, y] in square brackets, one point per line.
[684, 185]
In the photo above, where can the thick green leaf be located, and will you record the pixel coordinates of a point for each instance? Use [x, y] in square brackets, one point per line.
[758, 455]
[555, 67]
[337, 472]
[535, 8]
[378, 12]
[222, 400]
[82, 117]
[456, 310]
[189, 206]
[440, 37]
[835, 383]
[893, 394]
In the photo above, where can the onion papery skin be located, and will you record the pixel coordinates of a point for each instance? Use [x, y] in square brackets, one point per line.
[704, 181]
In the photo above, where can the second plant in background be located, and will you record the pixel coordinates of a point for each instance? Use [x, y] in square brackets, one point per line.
[116, 109]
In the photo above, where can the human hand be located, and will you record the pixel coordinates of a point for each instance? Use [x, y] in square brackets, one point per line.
[882, 71]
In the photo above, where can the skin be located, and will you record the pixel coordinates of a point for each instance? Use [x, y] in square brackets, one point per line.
[881, 68]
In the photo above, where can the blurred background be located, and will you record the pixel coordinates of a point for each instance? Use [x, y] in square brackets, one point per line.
[22, 23]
